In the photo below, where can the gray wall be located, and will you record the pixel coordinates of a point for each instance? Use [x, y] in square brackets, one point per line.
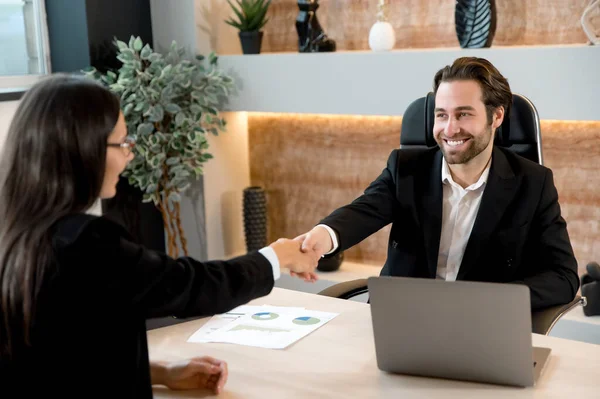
[562, 81]
[174, 20]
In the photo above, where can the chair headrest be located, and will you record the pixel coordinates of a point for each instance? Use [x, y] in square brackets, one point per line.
[520, 130]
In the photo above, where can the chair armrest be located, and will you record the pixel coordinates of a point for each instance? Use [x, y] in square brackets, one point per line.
[347, 289]
[543, 320]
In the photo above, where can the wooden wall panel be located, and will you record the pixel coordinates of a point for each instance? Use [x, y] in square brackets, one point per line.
[572, 151]
[428, 23]
[312, 164]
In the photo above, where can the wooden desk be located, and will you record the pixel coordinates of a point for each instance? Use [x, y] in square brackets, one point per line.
[338, 361]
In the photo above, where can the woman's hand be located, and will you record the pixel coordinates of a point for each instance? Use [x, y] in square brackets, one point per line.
[195, 373]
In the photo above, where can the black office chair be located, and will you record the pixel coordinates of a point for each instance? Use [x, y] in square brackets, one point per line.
[519, 133]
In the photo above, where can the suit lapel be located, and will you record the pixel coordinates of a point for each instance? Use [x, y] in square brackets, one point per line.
[500, 189]
[431, 211]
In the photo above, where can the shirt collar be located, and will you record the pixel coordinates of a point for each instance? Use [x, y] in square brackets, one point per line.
[447, 177]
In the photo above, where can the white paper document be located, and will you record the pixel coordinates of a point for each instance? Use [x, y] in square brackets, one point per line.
[221, 320]
[264, 326]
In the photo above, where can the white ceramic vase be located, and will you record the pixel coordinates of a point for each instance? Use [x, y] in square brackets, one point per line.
[382, 36]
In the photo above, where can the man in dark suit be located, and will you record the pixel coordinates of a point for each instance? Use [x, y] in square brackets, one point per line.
[465, 210]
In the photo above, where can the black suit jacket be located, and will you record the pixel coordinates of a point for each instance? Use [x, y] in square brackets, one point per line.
[519, 235]
[89, 333]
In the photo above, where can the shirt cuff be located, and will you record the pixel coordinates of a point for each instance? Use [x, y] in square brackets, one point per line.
[271, 256]
[333, 236]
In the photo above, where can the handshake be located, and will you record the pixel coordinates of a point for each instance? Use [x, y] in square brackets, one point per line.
[301, 255]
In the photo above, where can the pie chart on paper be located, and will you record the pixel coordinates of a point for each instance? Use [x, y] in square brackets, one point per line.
[306, 321]
[265, 316]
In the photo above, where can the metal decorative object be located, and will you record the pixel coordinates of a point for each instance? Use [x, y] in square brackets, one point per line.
[587, 19]
[311, 38]
[475, 22]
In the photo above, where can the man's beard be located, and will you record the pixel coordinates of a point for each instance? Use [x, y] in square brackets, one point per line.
[476, 145]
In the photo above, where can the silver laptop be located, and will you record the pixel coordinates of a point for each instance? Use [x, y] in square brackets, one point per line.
[458, 330]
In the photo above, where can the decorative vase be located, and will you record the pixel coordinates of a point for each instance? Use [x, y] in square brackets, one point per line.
[382, 36]
[251, 42]
[331, 263]
[475, 22]
[311, 37]
[255, 218]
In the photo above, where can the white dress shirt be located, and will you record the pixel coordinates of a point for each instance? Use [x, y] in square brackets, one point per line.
[271, 256]
[459, 210]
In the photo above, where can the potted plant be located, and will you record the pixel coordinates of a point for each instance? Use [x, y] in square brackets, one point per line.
[252, 16]
[170, 103]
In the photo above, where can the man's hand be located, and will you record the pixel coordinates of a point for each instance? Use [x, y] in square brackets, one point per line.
[317, 240]
[291, 257]
[195, 373]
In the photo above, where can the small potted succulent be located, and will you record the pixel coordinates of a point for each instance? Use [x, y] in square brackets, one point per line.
[251, 17]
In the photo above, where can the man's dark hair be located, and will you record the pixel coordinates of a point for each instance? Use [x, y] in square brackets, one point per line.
[494, 86]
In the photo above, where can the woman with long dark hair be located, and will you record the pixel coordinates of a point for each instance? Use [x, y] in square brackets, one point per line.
[75, 291]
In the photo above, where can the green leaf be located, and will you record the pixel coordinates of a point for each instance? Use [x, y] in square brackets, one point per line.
[172, 161]
[144, 129]
[121, 45]
[151, 188]
[174, 196]
[172, 108]
[146, 52]
[156, 113]
[236, 11]
[138, 44]
[127, 109]
[180, 119]
[139, 107]
[155, 163]
[176, 145]
[154, 57]
[166, 71]
[153, 140]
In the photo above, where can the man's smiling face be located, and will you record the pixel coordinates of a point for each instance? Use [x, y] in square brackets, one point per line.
[462, 129]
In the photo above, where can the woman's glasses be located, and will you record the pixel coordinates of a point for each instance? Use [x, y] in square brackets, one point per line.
[127, 145]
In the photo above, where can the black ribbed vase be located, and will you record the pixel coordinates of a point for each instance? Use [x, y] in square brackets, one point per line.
[255, 218]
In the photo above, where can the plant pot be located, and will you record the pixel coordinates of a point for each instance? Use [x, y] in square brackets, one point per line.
[255, 218]
[251, 42]
[331, 263]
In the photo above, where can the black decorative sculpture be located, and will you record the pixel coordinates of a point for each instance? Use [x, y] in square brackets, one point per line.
[311, 38]
[475, 22]
[255, 218]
